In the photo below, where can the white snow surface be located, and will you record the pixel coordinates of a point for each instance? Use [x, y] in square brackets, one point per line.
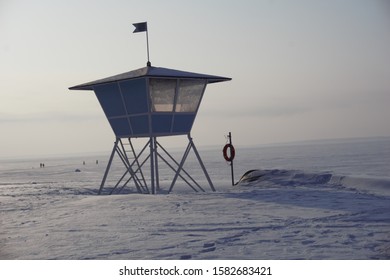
[55, 213]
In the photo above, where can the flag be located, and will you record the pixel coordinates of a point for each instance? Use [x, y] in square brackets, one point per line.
[140, 27]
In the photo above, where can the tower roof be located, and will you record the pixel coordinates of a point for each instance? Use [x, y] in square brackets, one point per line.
[154, 72]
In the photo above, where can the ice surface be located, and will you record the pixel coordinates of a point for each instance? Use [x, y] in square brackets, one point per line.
[283, 213]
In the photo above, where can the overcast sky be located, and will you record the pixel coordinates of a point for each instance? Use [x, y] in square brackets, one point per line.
[301, 70]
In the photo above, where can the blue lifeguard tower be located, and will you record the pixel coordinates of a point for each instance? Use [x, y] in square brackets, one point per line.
[151, 102]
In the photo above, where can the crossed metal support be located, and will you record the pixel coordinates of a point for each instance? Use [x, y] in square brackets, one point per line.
[134, 165]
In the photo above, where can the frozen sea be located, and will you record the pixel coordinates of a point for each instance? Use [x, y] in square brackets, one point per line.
[307, 200]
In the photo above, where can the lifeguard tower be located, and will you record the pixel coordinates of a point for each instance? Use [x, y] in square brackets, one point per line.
[151, 102]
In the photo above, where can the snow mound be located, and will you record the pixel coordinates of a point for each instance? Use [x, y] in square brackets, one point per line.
[379, 186]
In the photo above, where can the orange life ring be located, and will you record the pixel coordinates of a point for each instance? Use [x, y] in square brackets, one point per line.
[232, 152]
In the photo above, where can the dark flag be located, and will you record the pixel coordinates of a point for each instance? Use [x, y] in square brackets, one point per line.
[140, 27]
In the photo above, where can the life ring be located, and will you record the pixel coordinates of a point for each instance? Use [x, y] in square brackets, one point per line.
[232, 152]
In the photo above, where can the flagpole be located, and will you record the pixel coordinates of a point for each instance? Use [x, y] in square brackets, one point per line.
[147, 46]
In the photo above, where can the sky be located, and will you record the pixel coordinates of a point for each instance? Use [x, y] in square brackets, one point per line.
[301, 70]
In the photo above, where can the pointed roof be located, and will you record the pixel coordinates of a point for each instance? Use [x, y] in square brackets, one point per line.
[154, 72]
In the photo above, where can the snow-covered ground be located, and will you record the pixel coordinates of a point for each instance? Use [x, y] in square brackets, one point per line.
[284, 211]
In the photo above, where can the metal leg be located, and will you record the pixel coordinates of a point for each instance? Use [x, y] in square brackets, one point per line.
[136, 157]
[151, 144]
[146, 190]
[120, 180]
[156, 164]
[180, 166]
[201, 163]
[108, 166]
[123, 155]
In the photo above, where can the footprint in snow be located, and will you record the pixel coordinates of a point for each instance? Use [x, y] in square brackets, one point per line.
[208, 247]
